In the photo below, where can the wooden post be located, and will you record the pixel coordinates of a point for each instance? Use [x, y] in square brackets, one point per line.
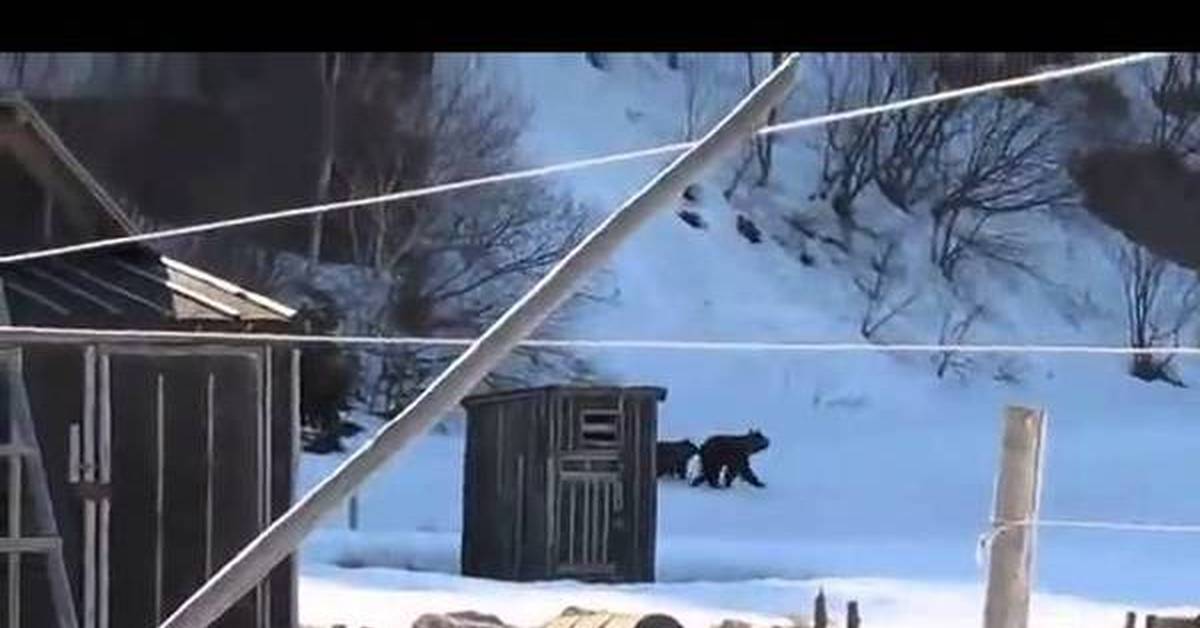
[280, 540]
[1131, 620]
[820, 614]
[1017, 491]
[353, 512]
[852, 618]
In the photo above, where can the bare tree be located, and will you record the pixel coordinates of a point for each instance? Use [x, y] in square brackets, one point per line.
[759, 149]
[897, 151]
[879, 288]
[329, 66]
[1174, 91]
[697, 93]
[968, 164]
[911, 141]
[765, 145]
[453, 263]
[848, 153]
[1004, 162]
[1160, 302]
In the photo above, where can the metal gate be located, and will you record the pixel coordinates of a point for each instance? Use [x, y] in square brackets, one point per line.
[172, 478]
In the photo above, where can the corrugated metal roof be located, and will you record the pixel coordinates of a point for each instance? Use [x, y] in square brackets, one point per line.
[130, 288]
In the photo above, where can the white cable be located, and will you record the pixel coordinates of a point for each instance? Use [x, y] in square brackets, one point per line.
[1170, 528]
[69, 333]
[972, 90]
[986, 539]
[576, 164]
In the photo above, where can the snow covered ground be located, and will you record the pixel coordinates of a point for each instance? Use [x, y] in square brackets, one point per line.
[384, 598]
[879, 475]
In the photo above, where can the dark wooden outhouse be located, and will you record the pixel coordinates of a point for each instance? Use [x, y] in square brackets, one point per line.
[131, 469]
[559, 482]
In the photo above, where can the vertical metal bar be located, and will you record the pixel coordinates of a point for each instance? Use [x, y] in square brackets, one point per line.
[210, 461]
[160, 422]
[256, 560]
[89, 476]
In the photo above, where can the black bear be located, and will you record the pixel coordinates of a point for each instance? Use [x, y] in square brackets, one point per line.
[730, 454]
[673, 457]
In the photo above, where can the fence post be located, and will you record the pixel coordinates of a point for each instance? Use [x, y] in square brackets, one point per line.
[353, 512]
[852, 618]
[1017, 491]
[1130, 619]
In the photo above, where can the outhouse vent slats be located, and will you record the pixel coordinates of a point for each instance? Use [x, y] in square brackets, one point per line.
[599, 428]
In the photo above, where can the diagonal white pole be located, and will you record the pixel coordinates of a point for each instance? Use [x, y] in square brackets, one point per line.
[255, 561]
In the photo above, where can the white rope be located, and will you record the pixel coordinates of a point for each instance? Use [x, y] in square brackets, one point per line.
[576, 164]
[986, 539]
[70, 333]
[1116, 526]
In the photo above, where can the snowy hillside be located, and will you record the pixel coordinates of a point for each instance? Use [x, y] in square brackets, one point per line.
[878, 469]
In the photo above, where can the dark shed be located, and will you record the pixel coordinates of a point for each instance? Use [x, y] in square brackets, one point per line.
[130, 470]
[559, 482]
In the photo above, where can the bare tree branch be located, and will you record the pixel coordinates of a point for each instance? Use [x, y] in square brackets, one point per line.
[878, 287]
[1160, 302]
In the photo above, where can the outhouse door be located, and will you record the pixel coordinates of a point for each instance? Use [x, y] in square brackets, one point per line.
[590, 518]
[170, 461]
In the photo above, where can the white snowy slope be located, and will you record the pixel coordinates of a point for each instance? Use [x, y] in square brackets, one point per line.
[879, 474]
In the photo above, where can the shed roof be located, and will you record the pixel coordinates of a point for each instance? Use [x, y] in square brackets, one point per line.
[659, 393]
[126, 287]
[130, 288]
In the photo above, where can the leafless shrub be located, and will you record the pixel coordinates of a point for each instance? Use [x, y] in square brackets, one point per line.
[955, 327]
[878, 286]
